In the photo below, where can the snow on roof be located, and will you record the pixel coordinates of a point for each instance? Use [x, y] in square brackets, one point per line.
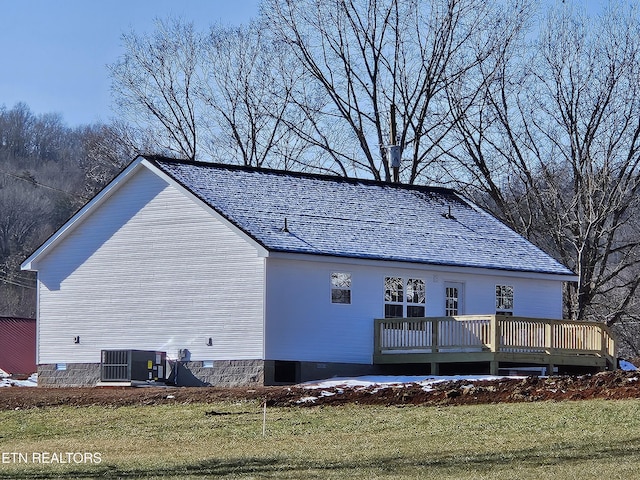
[358, 218]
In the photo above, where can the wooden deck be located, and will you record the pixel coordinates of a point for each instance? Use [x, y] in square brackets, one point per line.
[494, 339]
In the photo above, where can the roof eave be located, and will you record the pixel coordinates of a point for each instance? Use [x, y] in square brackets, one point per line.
[566, 276]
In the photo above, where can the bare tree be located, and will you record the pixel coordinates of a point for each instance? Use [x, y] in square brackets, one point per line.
[365, 56]
[553, 146]
[154, 85]
[246, 86]
[107, 149]
[15, 127]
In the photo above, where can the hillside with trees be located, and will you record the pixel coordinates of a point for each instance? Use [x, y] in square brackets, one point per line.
[47, 172]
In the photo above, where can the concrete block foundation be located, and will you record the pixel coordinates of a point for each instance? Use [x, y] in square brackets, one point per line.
[228, 373]
[68, 374]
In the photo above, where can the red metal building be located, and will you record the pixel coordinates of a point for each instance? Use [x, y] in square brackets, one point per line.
[18, 345]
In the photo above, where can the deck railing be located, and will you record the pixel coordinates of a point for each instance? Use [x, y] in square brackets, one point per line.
[492, 333]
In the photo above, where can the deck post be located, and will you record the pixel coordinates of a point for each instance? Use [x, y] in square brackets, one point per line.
[494, 327]
[549, 346]
[494, 367]
[495, 334]
[550, 368]
[548, 341]
[435, 323]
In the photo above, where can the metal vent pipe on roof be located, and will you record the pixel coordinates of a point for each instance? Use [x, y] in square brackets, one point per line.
[394, 152]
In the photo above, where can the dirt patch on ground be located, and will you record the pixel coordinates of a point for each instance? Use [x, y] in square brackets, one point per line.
[607, 385]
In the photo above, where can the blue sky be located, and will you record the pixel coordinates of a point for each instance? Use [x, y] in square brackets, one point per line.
[55, 52]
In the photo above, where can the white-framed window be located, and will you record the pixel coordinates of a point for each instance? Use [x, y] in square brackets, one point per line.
[504, 300]
[341, 288]
[404, 297]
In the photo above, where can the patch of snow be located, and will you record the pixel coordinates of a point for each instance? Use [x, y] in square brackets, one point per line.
[307, 400]
[7, 381]
[364, 381]
[381, 382]
[628, 366]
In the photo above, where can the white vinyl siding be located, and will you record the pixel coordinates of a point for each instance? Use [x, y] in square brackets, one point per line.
[151, 269]
[301, 325]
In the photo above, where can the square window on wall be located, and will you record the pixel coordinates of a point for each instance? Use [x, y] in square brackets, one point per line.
[341, 288]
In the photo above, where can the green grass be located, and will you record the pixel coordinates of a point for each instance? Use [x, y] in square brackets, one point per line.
[581, 440]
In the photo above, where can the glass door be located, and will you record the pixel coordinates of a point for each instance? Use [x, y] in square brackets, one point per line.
[453, 299]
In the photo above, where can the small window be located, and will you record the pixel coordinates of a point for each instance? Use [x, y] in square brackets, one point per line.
[61, 366]
[504, 300]
[341, 288]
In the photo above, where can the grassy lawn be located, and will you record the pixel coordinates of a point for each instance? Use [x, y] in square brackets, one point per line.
[581, 440]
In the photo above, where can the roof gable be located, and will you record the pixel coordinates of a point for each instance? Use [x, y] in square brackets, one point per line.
[358, 218]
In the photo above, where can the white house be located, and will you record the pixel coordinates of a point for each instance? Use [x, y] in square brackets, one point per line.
[245, 275]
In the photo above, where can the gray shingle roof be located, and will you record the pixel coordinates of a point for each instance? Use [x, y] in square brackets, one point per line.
[359, 218]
